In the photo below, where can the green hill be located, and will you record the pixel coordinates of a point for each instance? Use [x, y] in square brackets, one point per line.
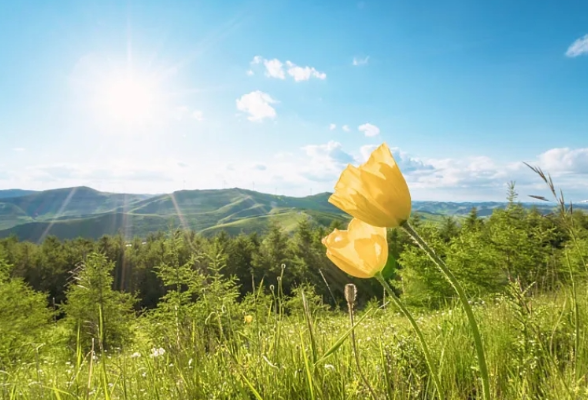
[73, 212]
[77, 201]
[82, 211]
[8, 193]
[11, 215]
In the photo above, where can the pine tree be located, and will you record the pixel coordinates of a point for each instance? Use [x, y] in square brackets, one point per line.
[94, 308]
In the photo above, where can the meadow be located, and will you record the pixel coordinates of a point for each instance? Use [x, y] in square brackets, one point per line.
[182, 316]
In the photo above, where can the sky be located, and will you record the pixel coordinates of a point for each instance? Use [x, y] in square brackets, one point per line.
[279, 96]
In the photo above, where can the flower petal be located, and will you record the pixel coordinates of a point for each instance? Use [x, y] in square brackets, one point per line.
[360, 251]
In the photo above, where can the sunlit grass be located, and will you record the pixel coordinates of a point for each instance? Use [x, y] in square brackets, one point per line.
[529, 355]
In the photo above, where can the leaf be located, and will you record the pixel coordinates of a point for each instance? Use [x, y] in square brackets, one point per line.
[538, 197]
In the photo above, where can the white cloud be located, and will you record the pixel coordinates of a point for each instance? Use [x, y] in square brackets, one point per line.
[331, 151]
[332, 127]
[579, 47]
[357, 61]
[317, 166]
[480, 172]
[250, 72]
[198, 115]
[19, 149]
[258, 105]
[406, 162]
[131, 176]
[476, 178]
[323, 161]
[369, 130]
[303, 73]
[365, 151]
[275, 68]
[565, 160]
[345, 128]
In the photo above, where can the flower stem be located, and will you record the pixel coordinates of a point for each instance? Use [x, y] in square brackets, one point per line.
[356, 353]
[408, 315]
[464, 300]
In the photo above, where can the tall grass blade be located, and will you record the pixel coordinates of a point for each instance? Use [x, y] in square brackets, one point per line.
[307, 369]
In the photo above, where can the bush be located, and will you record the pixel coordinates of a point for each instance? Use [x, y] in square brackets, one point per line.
[24, 317]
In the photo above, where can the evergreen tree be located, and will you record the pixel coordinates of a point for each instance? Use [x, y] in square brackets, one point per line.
[94, 309]
[473, 221]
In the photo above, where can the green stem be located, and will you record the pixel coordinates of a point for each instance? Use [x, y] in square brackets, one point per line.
[356, 353]
[464, 300]
[408, 315]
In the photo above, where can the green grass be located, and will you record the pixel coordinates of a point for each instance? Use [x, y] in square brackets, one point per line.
[529, 356]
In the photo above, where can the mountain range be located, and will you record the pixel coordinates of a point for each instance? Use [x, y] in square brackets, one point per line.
[84, 212]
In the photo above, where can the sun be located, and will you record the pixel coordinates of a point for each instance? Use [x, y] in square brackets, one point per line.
[130, 98]
[132, 93]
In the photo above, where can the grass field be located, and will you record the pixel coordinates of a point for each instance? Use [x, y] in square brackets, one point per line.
[286, 352]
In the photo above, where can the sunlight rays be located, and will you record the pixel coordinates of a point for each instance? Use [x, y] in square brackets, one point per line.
[179, 212]
[57, 215]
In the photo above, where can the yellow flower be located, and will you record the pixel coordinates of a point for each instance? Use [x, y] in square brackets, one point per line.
[248, 319]
[361, 250]
[376, 192]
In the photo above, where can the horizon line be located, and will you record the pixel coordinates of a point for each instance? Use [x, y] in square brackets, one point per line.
[255, 191]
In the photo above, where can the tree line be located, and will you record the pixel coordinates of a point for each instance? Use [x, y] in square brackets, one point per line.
[485, 253]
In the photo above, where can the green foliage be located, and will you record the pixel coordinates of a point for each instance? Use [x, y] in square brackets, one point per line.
[512, 244]
[199, 301]
[93, 309]
[223, 315]
[23, 318]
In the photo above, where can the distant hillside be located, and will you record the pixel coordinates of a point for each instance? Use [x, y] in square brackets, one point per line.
[450, 208]
[76, 201]
[82, 211]
[5, 194]
[73, 212]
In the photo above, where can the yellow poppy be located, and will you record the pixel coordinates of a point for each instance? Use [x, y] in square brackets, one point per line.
[248, 319]
[374, 192]
[360, 251]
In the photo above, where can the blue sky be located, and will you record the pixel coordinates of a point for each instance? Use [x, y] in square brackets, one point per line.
[278, 96]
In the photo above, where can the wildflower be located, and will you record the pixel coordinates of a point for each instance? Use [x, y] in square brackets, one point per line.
[248, 319]
[136, 355]
[360, 251]
[157, 352]
[374, 192]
